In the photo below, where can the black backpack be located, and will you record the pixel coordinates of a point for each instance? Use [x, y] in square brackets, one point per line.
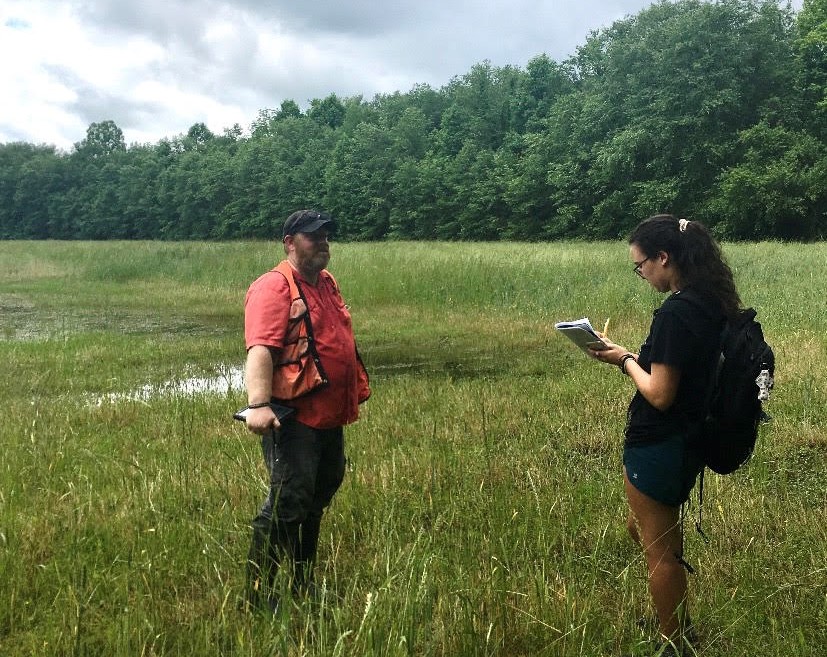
[739, 384]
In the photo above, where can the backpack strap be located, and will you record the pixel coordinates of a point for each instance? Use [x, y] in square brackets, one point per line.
[690, 296]
[679, 554]
[700, 519]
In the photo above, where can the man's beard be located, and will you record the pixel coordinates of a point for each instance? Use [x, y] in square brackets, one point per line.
[319, 260]
[322, 258]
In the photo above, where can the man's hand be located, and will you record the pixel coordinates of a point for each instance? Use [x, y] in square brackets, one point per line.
[262, 420]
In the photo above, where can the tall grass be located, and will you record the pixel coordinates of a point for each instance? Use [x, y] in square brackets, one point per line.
[482, 512]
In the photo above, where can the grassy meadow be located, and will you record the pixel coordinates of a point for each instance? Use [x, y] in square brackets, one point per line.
[482, 512]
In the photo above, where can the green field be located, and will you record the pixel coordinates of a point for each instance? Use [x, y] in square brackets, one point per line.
[482, 513]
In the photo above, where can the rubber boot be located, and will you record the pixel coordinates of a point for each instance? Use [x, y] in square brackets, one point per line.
[284, 546]
[261, 568]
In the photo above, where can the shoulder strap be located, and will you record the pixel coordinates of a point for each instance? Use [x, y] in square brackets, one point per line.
[329, 277]
[690, 295]
[285, 269]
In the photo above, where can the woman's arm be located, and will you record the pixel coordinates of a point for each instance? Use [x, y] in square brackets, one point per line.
[658, 388]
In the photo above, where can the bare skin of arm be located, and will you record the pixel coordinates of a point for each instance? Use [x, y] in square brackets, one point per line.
[258, 378]
[659, 387]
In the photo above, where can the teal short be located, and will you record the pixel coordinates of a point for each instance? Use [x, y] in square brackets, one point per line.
[665, 470]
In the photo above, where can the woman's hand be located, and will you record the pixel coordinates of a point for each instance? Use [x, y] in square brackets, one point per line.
[611, 353]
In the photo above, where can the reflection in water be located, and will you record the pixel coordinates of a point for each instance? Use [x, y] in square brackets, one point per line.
[231, 379]
[226, 382]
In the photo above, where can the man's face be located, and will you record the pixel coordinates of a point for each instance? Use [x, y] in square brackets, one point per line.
[311, 251]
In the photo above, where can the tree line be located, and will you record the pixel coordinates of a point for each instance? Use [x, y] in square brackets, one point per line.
[715, 111]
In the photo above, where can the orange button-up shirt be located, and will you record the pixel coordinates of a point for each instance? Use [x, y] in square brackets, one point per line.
[266, 311]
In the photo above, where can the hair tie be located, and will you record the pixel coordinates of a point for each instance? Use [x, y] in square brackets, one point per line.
[682, 224]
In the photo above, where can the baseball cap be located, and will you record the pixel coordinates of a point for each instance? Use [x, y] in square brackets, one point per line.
[306, 221]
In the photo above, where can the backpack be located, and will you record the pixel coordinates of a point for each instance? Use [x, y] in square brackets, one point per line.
[739, 384]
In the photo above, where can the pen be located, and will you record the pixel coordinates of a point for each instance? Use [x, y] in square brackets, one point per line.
[606, 328]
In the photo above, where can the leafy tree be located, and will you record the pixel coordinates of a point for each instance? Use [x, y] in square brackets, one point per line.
[197, 188]
[778, 189]
[431, 102]
[544, 82]
[529, 191]
[811, 50]
[41, 181]
[480, 211]
[660, 99]
[21, 162]
[267, 118]
[140, 209]
[102, 139]
[415, 189]
[359, 179]
[261, 125]
[329, 112]
[197, 137]
[410, 135]
[288, 109]
[273, 174]
[480, 108]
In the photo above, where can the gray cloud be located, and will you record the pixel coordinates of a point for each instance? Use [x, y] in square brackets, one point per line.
[357, 18]
[163, 21]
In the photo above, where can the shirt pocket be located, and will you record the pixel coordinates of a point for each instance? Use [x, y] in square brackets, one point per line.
[343, 313]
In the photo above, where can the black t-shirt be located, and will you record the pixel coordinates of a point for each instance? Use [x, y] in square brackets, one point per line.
[685, 334]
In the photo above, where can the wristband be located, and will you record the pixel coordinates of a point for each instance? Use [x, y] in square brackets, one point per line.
[259, 405]
[623, 360]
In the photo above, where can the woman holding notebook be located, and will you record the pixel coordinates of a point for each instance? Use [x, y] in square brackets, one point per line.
[671, 373]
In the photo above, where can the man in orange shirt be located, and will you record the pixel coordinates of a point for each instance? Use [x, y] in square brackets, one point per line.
[301, 353]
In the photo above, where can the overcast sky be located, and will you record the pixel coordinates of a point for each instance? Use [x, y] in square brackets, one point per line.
[156, 67]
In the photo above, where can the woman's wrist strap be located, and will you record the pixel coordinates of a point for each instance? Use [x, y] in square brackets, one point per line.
[624, 359]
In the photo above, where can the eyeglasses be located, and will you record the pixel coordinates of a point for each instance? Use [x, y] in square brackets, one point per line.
[638, 265]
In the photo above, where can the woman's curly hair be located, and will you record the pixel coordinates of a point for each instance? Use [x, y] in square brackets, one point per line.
[695, 253]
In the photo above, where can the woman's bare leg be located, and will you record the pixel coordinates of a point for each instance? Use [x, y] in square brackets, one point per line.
[656, 527]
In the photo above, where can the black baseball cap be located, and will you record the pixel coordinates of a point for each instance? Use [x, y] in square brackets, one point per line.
[306, 221]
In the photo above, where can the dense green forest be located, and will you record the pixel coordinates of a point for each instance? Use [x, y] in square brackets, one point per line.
[711, 110]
